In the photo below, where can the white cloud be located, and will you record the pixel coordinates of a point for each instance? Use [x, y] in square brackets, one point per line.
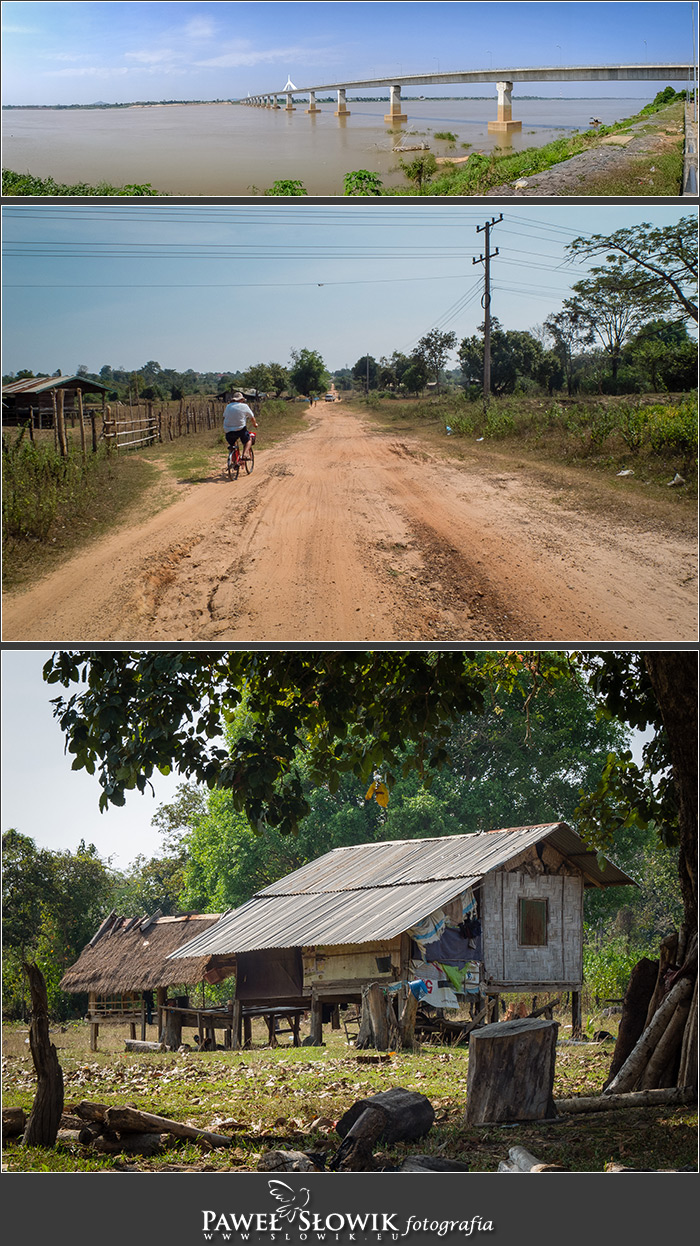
[240, 54]
[200, 28]
[92, 71]
[151, 58]
[20, 30]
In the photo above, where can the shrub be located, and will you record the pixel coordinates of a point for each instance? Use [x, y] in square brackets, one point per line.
[362, 182]
[288, 187]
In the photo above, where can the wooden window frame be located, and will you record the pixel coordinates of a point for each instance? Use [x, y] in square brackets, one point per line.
[522, 901]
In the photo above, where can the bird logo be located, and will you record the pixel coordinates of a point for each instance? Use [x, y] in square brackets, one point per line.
[291, 1201]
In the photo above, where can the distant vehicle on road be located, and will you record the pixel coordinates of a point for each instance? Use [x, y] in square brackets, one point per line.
[329, 397]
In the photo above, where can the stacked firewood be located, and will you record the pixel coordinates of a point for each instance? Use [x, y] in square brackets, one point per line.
[657, 1040]
[124, 1130]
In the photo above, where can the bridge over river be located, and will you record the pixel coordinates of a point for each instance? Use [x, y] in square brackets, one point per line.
[503, 78]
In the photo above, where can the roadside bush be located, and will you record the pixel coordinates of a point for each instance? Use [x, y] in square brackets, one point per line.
[25, 184]
[673, 428]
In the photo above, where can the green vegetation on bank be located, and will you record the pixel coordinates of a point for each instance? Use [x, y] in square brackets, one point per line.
[26, 184]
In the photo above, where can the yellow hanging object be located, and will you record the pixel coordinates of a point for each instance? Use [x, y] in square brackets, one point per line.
[380, 792]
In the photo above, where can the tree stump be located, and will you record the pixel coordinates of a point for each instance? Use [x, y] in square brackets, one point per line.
[47, 1109]
[511, 1072]
[407, 1115]
[171, 1036]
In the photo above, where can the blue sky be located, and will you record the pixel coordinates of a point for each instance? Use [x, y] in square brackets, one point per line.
[62, 53]
[219, 287]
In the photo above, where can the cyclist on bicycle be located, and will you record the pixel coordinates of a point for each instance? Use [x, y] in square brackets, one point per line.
[236, 416]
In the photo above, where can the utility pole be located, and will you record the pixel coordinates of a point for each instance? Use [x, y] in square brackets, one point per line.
[486, 299]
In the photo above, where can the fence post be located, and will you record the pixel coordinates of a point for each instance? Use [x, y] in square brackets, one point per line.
[55, 419]
[62, 443]
[31, 424]
[107, 428]
[81, 419]
[93, 423]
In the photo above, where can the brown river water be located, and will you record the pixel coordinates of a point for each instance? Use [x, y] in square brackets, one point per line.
[225, 149]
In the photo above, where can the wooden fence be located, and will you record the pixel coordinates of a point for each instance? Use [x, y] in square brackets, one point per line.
[122, 426]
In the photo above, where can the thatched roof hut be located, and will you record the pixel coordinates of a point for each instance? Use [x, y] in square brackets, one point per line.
[131, 954]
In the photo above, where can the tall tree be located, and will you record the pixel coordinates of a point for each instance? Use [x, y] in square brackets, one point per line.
[515, 353]
[571, 332]
[365, 372]
[435, 349]
[307, 372]
[615, 303]
[668, 254]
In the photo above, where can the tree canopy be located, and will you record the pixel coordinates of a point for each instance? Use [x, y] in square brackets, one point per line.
[668, 255]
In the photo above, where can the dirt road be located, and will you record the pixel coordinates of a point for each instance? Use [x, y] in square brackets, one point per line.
[344, 533]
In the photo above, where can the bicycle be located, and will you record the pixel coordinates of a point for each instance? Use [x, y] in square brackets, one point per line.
[236, 460]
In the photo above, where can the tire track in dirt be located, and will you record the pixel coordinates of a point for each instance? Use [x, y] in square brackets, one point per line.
[346, 534]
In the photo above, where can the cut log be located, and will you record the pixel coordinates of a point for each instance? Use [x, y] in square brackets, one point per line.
[525, 1161]
[70, 1121]
[632, 1069]
[129, 1120]
[634, 1099]
[663, 1064]
[409, 1115]
[137, 1044]
[668, 949]
[47, 1108]
[688, 1071]
[90, 1131]
[130, 1144]
[355, 1151]
[67, 1137]
[14, 1121]
[635, 1006]
[432, 1163]
[89, 1111]
[511, 1072]
[287, 1161]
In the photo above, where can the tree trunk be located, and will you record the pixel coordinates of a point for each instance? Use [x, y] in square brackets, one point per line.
[172, 1030]
[511, 1072]
[674, 679]
[407, 1022]
[688, 1071]
[635, 1005]
[45, 1116]
[662, 1068]
[376, 1003]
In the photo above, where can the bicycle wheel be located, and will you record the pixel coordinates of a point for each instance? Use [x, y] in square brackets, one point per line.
[249, 461]
[233, 468]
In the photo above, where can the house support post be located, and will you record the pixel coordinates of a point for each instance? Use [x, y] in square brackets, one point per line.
[94, 1031]
[316, 1031]
[576, 1019]
[394, 113]
[236, 1025]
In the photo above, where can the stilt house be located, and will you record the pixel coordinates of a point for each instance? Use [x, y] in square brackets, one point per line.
[485, 914]
[127, 975]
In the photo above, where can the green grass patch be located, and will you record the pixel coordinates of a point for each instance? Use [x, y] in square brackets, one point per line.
[290, 1098]
[25, 184]
[660, 174]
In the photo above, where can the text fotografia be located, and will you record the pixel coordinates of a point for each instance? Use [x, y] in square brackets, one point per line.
[385, 1227]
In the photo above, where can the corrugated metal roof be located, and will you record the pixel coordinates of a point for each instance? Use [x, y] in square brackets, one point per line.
[39, 384]
[376, 891]
[395, 862]
[331, 917]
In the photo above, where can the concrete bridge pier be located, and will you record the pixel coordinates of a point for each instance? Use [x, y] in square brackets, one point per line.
[275, 102]
[504, 124]
[394, 113]
[313, 106]
[290, 103]
[342, 109]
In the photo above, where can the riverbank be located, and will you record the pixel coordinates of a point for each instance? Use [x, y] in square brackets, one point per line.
[641, 155]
